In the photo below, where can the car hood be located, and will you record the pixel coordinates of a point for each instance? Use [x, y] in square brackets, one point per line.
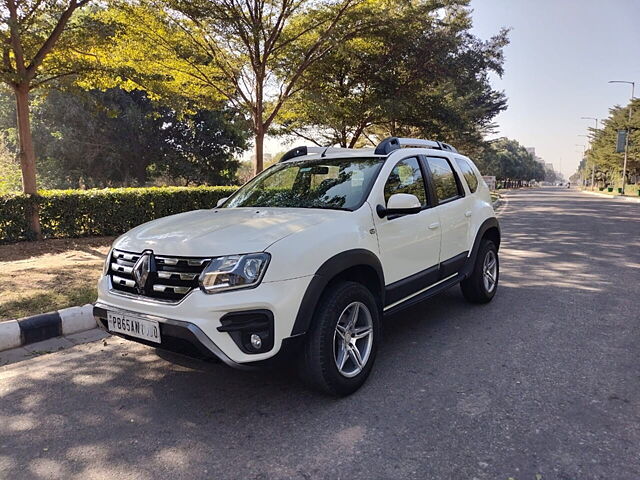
[223, 231]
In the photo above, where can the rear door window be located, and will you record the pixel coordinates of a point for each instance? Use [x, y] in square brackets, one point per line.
[444, 179]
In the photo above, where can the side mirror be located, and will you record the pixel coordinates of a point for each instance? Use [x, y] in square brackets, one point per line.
[221, 201]
[400, 204]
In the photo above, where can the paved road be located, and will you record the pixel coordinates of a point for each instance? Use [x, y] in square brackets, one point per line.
[542, 383]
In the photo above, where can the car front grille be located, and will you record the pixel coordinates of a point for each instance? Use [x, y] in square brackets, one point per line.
[169, 278]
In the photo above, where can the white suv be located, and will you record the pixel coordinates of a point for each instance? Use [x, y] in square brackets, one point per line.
[306, 258]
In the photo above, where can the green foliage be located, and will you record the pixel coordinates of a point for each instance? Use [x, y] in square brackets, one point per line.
[10, 179]
[94, 139]
[408, 69]
[47, 40]
[608, 164]
[250, 55]
[507, 159]
[78, 213]
[201, 148]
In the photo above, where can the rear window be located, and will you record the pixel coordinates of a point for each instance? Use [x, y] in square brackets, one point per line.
[468, 174]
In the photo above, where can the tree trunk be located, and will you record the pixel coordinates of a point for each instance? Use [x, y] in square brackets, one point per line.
[27, 156]
[258, 166]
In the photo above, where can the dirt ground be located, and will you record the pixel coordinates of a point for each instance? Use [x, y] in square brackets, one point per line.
[38, 277]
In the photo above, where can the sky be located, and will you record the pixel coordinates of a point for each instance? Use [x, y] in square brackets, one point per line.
[561, 55]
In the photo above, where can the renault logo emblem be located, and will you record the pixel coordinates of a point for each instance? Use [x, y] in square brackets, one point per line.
[142, 270]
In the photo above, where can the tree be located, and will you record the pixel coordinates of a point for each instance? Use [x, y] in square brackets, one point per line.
[118, 138]
[201, 148]
[230, 50]
[508, 160]
[602, 154]
[381, 81]
[30, 31]
[96, 139]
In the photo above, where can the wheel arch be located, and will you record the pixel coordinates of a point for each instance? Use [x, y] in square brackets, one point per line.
[489, 229]
[357, 265]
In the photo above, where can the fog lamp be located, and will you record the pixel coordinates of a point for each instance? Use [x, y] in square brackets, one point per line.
[256, 341]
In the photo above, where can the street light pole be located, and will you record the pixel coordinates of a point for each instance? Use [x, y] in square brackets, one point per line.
[626, 143]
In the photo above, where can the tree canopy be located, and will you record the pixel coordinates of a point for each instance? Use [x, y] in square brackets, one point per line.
[601, 160]
[251, 55]
[410, 69]
[117, 138]
[508, 159]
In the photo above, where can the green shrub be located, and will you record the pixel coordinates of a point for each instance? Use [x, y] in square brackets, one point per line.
[112, 211]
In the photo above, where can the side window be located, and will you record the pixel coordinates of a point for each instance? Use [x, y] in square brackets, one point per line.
[406, 177]
[444, 180]
[468, 174]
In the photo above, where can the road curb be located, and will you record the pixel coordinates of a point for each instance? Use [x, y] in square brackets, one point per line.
[621, 197]
[24, 331]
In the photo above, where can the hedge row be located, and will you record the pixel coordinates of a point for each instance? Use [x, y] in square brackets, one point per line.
[112, 211]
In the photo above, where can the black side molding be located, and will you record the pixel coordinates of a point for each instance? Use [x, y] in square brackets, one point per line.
[453, 265]
[435, 290]
[403, 288]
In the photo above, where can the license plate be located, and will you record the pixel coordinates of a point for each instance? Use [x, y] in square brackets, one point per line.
[134, 326]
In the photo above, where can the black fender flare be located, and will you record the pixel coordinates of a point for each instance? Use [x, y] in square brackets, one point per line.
[327, 271]
[489, 223]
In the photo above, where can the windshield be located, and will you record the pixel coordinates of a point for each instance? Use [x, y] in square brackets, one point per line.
[341, 184]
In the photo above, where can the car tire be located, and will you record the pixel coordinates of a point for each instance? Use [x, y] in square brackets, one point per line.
[334, 339]
[482, 284]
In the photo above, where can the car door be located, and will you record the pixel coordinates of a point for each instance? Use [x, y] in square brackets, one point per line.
[409, 244]
[453, 211]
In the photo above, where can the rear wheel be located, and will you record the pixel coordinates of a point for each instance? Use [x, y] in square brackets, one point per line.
[342, 344]
[482, 284]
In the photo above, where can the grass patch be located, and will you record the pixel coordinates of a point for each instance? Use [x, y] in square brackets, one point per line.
[41, 277]
[43, 302]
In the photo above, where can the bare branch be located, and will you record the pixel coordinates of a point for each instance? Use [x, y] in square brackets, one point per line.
[306, 138]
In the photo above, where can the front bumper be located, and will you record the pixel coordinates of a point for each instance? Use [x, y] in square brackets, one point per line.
[192, 326]
[180, 337]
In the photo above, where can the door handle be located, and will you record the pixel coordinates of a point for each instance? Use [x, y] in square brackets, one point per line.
[433, 226]
[467, 213]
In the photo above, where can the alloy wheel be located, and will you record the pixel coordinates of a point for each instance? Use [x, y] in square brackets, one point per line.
[490, 271]
[353, 339]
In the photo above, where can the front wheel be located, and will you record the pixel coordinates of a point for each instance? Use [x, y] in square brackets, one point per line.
[342, 344]
[481, 285]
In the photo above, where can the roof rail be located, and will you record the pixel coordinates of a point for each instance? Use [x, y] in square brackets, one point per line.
[299, 152]
[390, 144]
[304, 150]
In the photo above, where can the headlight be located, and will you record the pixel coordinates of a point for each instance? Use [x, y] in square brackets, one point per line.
[107, 262]
[233, 272]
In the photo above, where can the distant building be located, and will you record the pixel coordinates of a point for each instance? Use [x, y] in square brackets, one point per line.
[532, 151]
